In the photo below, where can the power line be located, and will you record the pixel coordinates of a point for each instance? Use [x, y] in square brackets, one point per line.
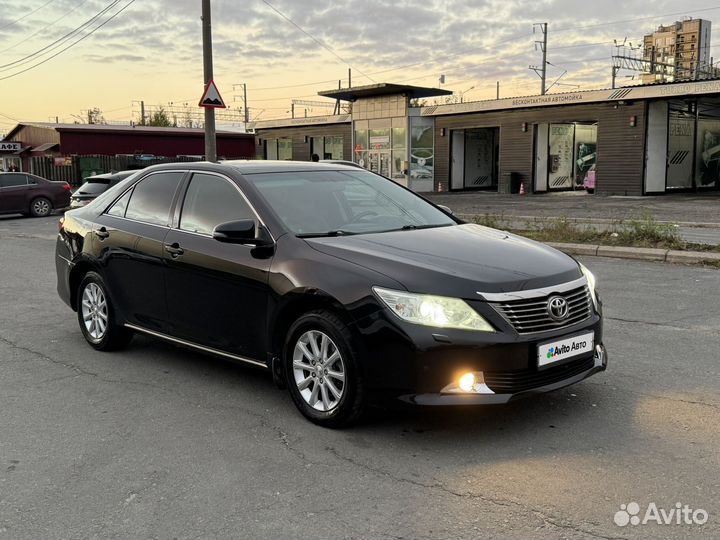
[45, 27]
[91, 32]
[610, 23]
[26, 15]
[327, 48]
[58, 42]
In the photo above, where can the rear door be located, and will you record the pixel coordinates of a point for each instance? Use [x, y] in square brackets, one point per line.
[128, 240]
[217, 293]
[13, 192]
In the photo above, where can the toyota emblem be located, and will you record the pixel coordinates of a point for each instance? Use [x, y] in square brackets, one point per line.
[557, 308]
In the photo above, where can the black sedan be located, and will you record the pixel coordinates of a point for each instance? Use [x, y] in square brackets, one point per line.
[348, 287]
[93, 186]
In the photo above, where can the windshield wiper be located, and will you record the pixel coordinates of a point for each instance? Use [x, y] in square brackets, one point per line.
[338, 232]
[431, 226]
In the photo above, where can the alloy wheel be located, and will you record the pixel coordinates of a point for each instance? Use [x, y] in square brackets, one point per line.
[319, 370]
[95, 311]
[41, 207]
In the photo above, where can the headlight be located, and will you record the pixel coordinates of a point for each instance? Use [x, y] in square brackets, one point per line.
[438, 311]
[591, 283]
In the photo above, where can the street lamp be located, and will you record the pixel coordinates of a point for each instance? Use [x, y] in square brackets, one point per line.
[462, 94]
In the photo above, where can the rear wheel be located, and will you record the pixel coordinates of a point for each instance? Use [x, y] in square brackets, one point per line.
[96, 315]
[40, 207]
[321, 370]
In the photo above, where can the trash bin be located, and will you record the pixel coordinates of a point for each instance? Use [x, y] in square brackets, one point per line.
[505, 184]
[515, 181]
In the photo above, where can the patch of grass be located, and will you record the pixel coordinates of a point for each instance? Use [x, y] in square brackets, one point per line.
[647, 231]
[644, 231]
[493, 221]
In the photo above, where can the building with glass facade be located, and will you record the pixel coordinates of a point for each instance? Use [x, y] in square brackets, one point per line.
[637, 140]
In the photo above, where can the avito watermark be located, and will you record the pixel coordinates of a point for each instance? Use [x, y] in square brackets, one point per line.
[680, 514]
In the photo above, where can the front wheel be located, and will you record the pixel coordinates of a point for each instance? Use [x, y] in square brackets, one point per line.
[321, 370]
[96, 315]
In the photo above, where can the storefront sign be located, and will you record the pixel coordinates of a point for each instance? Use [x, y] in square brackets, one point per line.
[9, 146]
[379, 140]
[62, 161]
[618, 95]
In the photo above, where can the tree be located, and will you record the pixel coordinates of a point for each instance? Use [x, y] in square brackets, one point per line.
[159, 118]
[95, 116]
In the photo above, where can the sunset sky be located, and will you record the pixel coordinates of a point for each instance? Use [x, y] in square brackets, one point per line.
[152, 50]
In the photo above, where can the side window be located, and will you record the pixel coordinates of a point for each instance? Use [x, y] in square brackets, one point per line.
[118, 209]
[211, 200]
[13, 180]
[152, 198]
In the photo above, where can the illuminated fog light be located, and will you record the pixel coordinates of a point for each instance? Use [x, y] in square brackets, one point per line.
[472, 382]
[467, 382]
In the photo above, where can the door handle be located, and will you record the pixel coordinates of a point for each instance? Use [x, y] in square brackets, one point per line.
[174, 250]
[102, 233]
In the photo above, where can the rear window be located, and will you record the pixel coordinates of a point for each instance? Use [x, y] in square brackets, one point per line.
[92, 188]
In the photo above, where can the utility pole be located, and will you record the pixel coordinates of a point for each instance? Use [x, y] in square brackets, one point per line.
[142, 113]
[497, 90]
[349, 78]
[210, 140]
[245, 105]
[292, 110]
[337, 101]
[542, 70]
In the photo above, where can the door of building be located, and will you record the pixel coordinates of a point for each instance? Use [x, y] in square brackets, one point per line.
[481, 158]
[457, 159]
[379, 162]
[13, 164]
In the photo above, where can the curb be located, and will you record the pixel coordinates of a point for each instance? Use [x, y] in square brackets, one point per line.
[639, 254]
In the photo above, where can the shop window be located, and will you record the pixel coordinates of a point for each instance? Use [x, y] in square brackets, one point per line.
[572, 154]
[422, 156]
[681, 138]
[707, 159]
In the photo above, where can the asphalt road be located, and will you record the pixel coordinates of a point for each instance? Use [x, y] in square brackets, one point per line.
[161, 442]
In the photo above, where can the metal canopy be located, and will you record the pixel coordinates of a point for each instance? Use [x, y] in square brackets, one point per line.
[383, 89]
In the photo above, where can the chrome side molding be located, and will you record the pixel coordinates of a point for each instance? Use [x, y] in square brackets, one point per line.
[195, 345]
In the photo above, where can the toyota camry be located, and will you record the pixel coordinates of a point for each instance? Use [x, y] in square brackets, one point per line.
[345, 286]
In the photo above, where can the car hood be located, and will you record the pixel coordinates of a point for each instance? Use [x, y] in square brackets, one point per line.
[460, 261]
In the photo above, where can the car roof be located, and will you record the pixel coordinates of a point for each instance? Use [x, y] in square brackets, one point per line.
[267, 166]
[251, 166]
[110, 176]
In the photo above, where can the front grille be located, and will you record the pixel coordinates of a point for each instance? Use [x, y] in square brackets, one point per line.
[531, 315]
[511, 382]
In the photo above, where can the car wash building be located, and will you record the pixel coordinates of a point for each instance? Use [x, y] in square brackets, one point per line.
[638, 140]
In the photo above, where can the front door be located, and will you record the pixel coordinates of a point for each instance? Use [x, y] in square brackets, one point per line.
[216, 292]
[380, 162]
[13, 192]
[128, 241]
[457, 159]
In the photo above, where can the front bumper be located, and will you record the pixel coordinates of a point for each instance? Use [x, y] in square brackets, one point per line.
[417, 364]
[574, 372]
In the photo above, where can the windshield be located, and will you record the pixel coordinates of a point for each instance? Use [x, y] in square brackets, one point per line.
[327, 203]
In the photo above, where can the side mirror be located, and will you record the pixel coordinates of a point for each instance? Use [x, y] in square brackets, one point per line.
[243, 231]
[445, 209]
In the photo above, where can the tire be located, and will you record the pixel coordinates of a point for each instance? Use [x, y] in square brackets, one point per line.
[303, 371]
[100, 329]
[41, 207]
